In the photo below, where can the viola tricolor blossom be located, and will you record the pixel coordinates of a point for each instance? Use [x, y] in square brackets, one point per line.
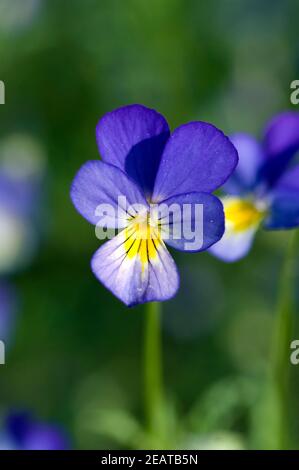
[151, 168]
[264, 189]
[22, 432]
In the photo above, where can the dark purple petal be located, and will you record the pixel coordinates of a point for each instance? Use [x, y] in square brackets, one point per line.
[27, 434]
[281, 142]
[251, 157]
[197, 157]
[282, 134]
[98, 183]
[17, 425]
[284, 211]
[131, 280]
[133, 138]
[195, 223]
[289, 180]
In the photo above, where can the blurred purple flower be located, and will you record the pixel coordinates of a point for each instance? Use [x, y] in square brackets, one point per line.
[264, 190]
[21, 174]
[22, 432]
[151, 168]
[8, 310]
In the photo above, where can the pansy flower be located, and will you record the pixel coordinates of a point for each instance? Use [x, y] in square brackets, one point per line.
[264, 189]
[154, 171]
[22, 432]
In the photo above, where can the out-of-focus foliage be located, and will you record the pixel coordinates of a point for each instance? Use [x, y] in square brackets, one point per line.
[76, 356]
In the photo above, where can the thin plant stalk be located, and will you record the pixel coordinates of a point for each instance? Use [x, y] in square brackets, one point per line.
[282, 337]
[153, 380]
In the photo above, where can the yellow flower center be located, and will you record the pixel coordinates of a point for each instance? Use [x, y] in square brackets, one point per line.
[242, 214]
[142, 238]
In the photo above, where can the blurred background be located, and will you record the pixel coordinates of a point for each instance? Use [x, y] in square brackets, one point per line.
[74, 352]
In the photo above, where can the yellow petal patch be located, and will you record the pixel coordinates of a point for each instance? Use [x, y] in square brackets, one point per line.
[242, 214]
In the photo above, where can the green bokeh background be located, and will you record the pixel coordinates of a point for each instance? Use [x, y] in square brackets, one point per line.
[77, 354]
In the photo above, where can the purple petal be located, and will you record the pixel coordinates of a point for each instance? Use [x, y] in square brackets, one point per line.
[133, 138]
[132, 279]
[197, 157]
[191, 222]
[290, 180]
[251, 157]
[284, 210]
[30, 435]
[98, 183]
[282, 134]
[284, 213]
[44, 437]
[17, 425]
[280, 144]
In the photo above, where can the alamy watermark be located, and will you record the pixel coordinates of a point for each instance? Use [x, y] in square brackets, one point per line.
[294, 97]
[177, 222]
[2, 353]
[294, 357]
[2, 92]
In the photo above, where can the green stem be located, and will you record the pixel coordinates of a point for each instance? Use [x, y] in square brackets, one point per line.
[153, 369]
[282, 337]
